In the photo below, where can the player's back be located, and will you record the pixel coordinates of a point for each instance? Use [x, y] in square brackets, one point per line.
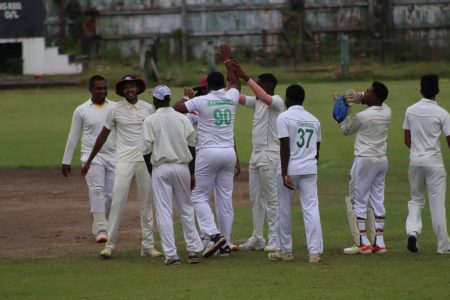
[426, 120]
[303, 129]
[216, 112]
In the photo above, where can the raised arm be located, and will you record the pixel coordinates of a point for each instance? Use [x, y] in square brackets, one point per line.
[99, 142]
[188, 94]
[225, 55]
[260, 93]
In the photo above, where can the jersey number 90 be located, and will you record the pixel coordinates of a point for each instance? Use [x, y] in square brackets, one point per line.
[221, 117]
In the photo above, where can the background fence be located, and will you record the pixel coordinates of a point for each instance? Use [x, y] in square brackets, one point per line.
[260, 29]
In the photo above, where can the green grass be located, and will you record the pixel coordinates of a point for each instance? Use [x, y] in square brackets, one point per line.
[33, 130]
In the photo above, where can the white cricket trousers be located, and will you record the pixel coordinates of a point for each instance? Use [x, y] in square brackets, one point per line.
[214, 168]
[125, 172]
[262, 183]
[100, 182]
[169, 180]
[367, 185]
[307, 191]
[434, 179]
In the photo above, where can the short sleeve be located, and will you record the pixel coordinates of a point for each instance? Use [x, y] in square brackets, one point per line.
[319, 134]
[446, 125]
[232, 94]
[149, 139]
[192, 105]
[191, 134]
[406, 122]
[282, 127]
[109, 121]
[250, 101]
[277, 103]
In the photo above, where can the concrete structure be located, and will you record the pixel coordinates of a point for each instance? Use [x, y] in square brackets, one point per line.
[22, 29]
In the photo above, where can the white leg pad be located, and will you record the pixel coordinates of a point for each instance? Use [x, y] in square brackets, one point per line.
[372, 232]
[352, 221]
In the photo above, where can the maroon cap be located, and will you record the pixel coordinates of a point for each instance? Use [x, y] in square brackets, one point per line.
[203, 82]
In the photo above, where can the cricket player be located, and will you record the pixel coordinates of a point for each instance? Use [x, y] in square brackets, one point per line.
[127, 118]
[265, 159]
[424, 122]
[87, 122]
[300, 136]
[170, 138]
[367, 176]
[216, 158]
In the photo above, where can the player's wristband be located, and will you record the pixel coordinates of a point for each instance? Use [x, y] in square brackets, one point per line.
[227, 61]
[185, 98]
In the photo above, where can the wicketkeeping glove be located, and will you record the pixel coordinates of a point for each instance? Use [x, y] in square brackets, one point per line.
[353, 97]
[340, 109]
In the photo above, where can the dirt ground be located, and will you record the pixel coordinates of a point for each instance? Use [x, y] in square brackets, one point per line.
[43, 214]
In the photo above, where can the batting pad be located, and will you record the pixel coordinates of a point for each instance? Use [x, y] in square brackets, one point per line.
[352, 221]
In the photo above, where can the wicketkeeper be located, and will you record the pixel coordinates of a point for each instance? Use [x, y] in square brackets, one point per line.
[366, 189]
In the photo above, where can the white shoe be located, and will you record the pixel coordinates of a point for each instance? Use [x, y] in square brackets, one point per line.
[314, 258]
[280, 255]
[270, 248]
[252, 244]
[152, 252]
[107, 253]
[367, 249]
[101, 237]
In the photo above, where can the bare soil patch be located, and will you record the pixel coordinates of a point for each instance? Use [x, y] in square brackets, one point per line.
[43, 214]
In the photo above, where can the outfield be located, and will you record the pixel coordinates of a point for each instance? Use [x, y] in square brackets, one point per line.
[34, 126]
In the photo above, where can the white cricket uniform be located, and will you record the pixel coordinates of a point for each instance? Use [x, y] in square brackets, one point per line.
[303, 130]
[370, 165]
[87, 122]
[216, 159]
[263, 166]
[127, 119]
[167, 135]
[426, 120]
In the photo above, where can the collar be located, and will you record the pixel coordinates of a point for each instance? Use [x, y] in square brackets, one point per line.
[165, 109]
[428, 100]
[297, 107]
[132, 106]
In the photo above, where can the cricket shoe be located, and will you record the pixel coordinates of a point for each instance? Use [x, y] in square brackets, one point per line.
[193, 258]
[314, 258]
[379, 250]
[216, 242]
[101, 237]
[152, 252]
[172, 261]
[280, 255]
[365, 249]
[270, 248]
[107, 253]
[253, 244]
[412, 243]
[225, 251]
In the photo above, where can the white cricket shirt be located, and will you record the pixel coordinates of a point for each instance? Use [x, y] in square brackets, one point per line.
[167, 135]
[216, 112]
[128, 119]
[371, 127]
[87, 121]
[426, 120]
[264, 127]
[303, 130]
